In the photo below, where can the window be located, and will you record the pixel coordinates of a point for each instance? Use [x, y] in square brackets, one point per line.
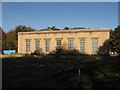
[70, 44]
[37, 44]
[27, 45]
[94, 45]
[82, 45]
[58, 42]
[47, 45]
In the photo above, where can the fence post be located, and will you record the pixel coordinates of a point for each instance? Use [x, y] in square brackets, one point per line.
[79, 74]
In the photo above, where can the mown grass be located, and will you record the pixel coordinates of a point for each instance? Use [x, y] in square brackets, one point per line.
[102, 73]
[10, 56]
[48, 71]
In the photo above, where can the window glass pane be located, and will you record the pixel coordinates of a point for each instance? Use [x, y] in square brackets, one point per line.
[37, 45]
[94, 45]
[82, 45]
[27, 45]
[47, 45]
[58, 42]
[70, 44]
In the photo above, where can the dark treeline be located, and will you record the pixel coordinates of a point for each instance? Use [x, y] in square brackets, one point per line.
[115, 39]
[10, 39]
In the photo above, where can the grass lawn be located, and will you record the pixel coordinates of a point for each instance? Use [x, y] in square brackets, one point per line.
[49, 72]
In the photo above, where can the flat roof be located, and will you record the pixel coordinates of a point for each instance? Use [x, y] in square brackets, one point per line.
[65, 31]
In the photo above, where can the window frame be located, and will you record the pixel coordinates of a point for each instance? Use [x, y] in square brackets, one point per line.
[82, 45]
[28, 45]
[58, 42]
[37, 44]
[70, 44]
[94, 45]
[47, 45]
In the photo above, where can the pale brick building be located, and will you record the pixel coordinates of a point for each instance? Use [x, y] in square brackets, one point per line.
[85, 41]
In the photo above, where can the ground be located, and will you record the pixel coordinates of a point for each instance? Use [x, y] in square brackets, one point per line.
[72, 71]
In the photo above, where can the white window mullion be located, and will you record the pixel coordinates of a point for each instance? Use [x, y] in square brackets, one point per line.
[37, 45]
[47, 45]
[27, 45]
[82, 45]
[94, 45]
[70, 44]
